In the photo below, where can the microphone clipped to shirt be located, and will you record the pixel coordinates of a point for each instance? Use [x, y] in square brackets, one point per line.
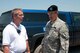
[18, 31]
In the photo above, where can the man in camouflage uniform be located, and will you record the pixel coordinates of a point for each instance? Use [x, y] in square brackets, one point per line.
[56, 39]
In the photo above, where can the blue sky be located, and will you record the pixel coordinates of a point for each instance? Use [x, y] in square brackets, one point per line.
[63, 5]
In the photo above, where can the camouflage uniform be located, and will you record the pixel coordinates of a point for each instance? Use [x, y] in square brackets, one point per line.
[56, 38]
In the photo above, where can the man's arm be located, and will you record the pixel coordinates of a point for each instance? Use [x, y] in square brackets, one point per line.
[64, 39]
[6, 49]
[27, 46]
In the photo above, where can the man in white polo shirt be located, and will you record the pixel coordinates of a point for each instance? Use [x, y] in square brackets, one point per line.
[15, 39]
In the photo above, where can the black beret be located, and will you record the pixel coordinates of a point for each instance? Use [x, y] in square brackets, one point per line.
[52, 8]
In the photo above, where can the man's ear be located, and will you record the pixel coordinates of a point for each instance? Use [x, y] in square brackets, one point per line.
[15, 14]
[48, 13]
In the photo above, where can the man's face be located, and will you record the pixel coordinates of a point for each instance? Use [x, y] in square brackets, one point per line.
[53, 15]
[19, 16]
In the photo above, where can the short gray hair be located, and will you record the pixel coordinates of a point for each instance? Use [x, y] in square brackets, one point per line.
[13, 12]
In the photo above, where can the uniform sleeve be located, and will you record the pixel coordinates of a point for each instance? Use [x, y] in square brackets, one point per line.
[64, 39]
[6, 37]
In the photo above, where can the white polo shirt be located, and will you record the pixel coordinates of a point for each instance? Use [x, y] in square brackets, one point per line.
[16, 42]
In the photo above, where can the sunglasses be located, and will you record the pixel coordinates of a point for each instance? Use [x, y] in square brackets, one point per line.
[20, 14]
